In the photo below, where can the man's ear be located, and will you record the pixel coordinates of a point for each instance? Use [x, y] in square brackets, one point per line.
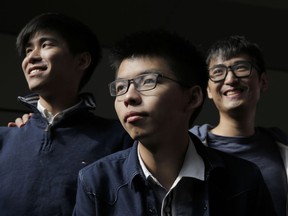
[195, 97]
[263, 82]
[84, 60]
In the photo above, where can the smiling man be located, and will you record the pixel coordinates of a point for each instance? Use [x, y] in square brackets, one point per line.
[159, 90]
[237, 77]
[40, 161]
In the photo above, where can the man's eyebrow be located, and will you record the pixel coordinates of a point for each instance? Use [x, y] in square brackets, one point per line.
[217, 65]
[42, 39]
[151, 71]
[236, 62]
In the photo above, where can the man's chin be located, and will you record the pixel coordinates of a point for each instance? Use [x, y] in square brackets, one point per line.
[135, 135]
[35, 88]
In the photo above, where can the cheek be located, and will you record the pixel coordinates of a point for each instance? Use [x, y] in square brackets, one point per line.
[209, 95]
[24, 64]
[212, 89]
[255, 91]
[117, 107]
[171, 103]
[254, 84]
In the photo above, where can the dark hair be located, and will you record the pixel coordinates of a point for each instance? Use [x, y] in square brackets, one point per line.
[185, 60]
[79, 37]
[236, 45]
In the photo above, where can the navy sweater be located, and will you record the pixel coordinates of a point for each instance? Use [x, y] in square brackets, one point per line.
[40, 162]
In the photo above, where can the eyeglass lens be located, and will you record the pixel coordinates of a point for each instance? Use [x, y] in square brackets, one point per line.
[239, 70]
[141, 83]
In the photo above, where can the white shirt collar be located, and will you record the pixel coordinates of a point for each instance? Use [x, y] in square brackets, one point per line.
[49, 116]
[193, 165]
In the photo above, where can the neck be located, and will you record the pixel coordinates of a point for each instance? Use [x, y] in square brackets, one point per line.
[235, 125]
[166, 162]
[56, 105]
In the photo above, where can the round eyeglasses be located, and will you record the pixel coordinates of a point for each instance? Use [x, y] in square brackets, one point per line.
[240, 70]
[143, 82]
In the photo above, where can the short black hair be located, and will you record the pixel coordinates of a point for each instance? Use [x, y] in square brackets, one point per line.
[79, 37]
[235, 45]
[185, 59]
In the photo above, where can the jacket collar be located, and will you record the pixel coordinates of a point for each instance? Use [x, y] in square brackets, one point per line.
[88, 101]
[212, 161]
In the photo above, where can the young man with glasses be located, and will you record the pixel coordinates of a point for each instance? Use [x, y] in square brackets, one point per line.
[159, 90]
[237, 77]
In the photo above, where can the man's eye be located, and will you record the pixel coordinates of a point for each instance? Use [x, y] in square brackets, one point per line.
[148, 81]
[27, 51]
[218, 71]
[46, 44]
[241, 67]
[120, 87]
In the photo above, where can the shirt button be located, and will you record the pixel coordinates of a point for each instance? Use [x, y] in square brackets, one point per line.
[152, 212]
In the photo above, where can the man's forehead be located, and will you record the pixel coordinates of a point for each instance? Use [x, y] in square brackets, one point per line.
[220, 59]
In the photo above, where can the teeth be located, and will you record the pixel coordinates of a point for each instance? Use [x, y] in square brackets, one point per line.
[34, 71]
[232, 92]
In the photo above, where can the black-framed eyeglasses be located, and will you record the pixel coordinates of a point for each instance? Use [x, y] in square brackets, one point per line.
[240, 70]
[144, 82]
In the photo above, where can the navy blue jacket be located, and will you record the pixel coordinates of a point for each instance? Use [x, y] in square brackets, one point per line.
[115, 185]
[39, 163]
